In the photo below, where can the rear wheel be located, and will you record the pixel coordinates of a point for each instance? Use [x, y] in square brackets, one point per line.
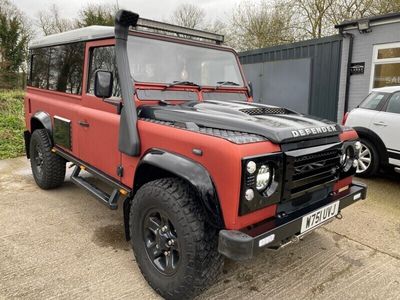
[368, 161]
[174, 247]
[48, 168]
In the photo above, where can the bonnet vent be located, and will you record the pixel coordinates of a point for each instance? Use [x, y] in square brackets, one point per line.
[264, 111]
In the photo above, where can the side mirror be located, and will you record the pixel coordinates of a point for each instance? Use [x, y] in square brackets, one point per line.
[250, 84]
[103, 84]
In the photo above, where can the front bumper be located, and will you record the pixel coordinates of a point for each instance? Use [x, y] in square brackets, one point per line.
[238, 245]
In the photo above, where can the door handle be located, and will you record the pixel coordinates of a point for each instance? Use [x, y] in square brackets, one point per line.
[380, 124]
[83, 123]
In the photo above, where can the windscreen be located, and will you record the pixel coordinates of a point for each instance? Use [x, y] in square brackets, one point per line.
[158, 61]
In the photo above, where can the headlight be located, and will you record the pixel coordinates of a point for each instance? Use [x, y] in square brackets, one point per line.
[261, 182]
[263, 177]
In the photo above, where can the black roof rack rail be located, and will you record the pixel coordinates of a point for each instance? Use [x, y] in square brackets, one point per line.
[179, 31]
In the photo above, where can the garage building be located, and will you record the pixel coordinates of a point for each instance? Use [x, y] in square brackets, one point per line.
[327, 77]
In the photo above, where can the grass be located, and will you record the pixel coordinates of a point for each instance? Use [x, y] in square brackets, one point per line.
[12, 123]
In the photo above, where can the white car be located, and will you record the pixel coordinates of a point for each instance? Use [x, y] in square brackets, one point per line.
[377, 122]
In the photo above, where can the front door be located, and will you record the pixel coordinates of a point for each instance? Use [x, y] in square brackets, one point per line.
[98, 119]
[387, 124]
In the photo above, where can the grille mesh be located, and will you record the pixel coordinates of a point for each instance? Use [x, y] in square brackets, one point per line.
[236, 137]
[264, 111]
[310, 171]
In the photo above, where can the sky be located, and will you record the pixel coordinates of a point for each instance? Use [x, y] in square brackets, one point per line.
[151, 9]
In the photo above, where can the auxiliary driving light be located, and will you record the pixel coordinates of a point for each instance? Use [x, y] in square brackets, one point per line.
[251, 167]
[249, 195]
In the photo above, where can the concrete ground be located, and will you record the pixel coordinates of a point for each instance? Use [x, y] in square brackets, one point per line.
[63, 244]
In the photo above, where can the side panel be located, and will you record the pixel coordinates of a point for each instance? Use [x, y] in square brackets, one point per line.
[59, 104]
[222, 160]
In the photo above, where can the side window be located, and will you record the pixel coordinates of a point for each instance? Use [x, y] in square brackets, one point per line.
[103, 58]
[374, 101]
[394, 104]
[66, 68]
[58, 68]
[40, 60]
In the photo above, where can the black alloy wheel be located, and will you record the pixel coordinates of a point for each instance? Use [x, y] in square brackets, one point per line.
[161, 240]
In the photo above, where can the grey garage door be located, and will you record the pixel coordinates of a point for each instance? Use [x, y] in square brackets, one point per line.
[303, 76]
[283, 83]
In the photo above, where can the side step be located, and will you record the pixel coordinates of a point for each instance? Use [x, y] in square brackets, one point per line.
[109, 200]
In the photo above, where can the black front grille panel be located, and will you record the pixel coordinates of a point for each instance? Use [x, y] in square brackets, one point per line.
[310, 172]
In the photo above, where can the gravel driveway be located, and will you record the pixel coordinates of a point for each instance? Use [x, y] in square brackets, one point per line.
[64, 244]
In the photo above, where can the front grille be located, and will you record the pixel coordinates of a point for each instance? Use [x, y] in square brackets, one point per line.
[309, 172]
[264, 111]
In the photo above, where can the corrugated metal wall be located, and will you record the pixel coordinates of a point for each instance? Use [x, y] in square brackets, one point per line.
[325, 55]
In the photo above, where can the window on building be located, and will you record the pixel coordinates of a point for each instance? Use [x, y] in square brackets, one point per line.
[386, 65]
[394, 104]
[103, 58]
[58, 68]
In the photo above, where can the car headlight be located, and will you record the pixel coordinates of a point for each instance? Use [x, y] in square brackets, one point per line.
[261, 182]
[263, 177]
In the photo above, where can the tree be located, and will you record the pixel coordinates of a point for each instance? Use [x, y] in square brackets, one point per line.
[348, 9]
[189, 15]
[313, 17]
[97, 14]
[50, 21]
[260, 24]
[14, 39]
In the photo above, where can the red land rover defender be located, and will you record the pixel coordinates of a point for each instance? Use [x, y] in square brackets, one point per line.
[163, 115]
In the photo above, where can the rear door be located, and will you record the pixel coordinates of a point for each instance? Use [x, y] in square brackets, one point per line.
[386, 124]
[98, 119]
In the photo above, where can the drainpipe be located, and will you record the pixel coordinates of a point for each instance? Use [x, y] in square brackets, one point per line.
[349, 59]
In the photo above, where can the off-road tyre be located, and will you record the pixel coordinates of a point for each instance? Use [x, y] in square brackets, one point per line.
[200, 263]
[48, 168]
[373, 166]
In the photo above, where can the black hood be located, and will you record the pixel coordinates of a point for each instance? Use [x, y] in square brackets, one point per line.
[277, 124]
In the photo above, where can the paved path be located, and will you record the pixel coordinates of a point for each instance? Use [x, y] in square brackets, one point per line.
[63, 244]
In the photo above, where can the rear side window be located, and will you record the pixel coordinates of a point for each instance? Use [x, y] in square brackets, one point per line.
[374, 101]
[103, 58]
[394, 104]
[58, 68]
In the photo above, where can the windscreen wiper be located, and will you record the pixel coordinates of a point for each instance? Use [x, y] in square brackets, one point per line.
[222, 83]
[181, 83]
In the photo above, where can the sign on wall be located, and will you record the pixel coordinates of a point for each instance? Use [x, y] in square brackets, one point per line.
[357, 68]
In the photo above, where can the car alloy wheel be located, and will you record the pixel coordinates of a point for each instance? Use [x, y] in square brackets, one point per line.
[38, 160]
[161, 242]
[364, 160]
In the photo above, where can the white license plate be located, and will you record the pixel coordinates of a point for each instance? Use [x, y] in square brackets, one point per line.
[319, 216]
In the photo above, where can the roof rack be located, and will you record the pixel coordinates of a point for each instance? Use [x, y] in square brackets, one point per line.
[179, 31]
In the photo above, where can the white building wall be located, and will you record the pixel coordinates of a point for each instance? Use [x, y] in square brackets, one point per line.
[362, 52]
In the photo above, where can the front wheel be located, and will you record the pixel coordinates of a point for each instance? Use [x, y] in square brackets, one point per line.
[368, 161]
[175, 248]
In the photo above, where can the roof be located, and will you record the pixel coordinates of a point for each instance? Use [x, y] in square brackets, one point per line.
[371, 19]
[388, 89]
[100, 32]
[77, 35]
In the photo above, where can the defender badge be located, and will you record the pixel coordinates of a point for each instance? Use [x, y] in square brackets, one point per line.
[314, 130]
